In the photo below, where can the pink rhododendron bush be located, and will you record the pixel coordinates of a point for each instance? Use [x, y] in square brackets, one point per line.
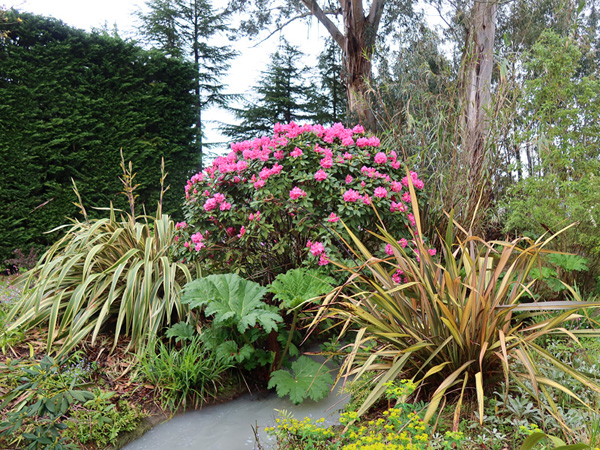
[274, 203]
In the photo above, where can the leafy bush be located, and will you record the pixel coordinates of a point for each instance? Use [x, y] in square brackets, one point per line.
[189, 374]
[449, 323]
[268, 206]
[36, 406]
[100, 421]
[241, 321]
[104, 273]
[294, 289]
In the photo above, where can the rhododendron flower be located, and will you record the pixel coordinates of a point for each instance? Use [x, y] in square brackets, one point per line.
[403, 243]
[317, 248]
[321, 175]
[296, 193]
[254, 216]
[380, 192]
[181, 226]
[186, 244]
[308, 244]
[349, 179]
[347, 141]
[323, 260]
[432, 251]
[358, 129]
[210, 204]
[396, 278]
[333, 218]
[400, 207]
[389, 250]
[380, 158]
[279, 155]
[199, 246]
[176, 239]
[396, 165]
[225, 206]
[366, 199]
[230, 231]
[348, 156]
[242, 231]
[396, 186]
[259, 184]
[197, 237]
[296, 153]
[351, 195]
[326, 163]
[411, 219]
[406, 197]
[363, 184]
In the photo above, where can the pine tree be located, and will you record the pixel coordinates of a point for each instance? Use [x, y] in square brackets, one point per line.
[281, 95]
[328, 100]
[185, 29]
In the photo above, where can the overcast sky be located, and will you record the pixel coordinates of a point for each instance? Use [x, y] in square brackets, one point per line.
[244, 72]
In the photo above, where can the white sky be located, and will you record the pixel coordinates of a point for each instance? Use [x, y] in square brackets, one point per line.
[245, 69]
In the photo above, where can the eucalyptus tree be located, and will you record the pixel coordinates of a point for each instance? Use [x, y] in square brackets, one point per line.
[353, 24]
[187, 29]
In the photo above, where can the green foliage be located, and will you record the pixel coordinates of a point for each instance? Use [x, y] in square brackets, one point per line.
[561, 112]
[449, 323]
[298, 286]
[100, 421]
[69, 100]
[233, 301]
[181, 331]
[35, 407]
[105, 273]
[308, 379]
[241, 321]
[189, 375]
[271, 204]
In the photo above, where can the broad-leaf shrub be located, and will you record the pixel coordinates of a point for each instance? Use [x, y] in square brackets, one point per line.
[261, 209]
[239, 319]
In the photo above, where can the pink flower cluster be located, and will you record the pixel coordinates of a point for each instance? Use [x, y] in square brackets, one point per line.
[322, 161]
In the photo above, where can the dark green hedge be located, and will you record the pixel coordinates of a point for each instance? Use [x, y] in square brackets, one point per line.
[69, 100]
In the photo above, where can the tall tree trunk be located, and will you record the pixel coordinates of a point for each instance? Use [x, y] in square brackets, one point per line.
[357, 44]
[476, 79]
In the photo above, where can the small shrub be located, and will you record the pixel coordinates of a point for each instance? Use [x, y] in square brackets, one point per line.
[100, 421]
[35, 407]
[239, 319]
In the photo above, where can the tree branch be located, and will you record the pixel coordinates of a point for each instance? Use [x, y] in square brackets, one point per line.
[375, 13]
[316, 11]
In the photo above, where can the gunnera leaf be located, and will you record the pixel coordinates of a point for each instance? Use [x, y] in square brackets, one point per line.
[181, 332]
[308, 379]
[297, 286]
[232, 300]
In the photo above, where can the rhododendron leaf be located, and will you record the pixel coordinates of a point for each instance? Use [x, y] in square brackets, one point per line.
[309, 380]
[300, 285]
[230, 299]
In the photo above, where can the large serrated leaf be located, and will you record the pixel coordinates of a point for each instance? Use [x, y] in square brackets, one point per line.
[230, 299]
[309, 380]
[300, 285]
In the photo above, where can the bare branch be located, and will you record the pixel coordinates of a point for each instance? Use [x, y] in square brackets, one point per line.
[282, 26]
[316, 11]
[375, 13]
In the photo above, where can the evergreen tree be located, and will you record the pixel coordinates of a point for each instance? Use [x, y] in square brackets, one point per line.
[69, 101]
[328, 100]
[184, 29]
[281, 95]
